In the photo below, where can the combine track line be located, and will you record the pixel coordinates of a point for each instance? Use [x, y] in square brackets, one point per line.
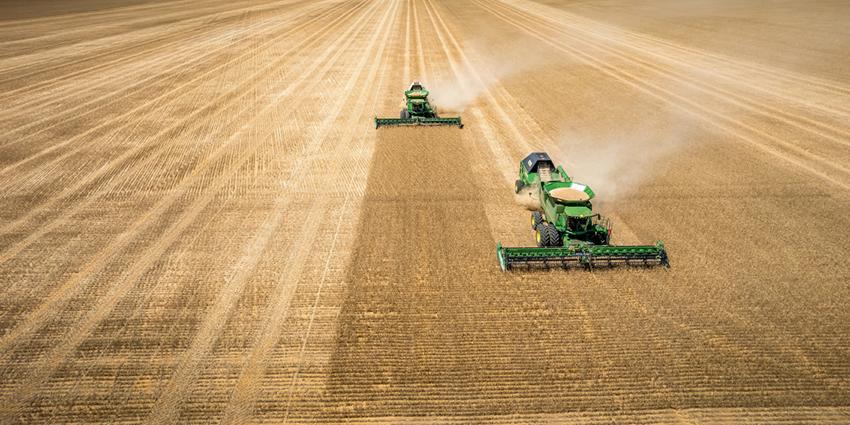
[378, 70]
[48, 365]
[83, 109]
[737, 98]
[182, 40]
[420, 53]
[715, 118]
[128, 155]
[43, 66]
[406, 69]
[176, 390]
[467, 68]
[93, 14]
[533, 132]
[498, 92]
[240, 404]
[314, 308]
[133, 112]
[787, 77]
[186, 53]
[67, 289]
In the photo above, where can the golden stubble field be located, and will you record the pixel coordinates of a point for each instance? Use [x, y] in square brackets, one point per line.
[198, 222]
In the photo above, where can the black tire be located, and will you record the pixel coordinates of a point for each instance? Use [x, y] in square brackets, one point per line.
[540, 237]
[405, 114]
[550, 234]
[518, 185]
[536, 219]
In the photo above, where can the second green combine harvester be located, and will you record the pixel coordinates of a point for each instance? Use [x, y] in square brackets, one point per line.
[567, 231]
[417, 110]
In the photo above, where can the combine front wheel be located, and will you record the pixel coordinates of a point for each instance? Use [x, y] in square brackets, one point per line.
[549, 234]
[536, 219]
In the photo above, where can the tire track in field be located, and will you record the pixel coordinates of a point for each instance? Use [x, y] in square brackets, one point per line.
[32, 103]
[407, 35]
[189, 33]
[465, 68]
[762, 84]
[525, 135]
[107, 14]
[61, 294]
[130, 156]
[89, 106]
[241, 401]
[719, 120]
[43, 66]
[186, 59]
[785, 79]
[377, 72]
[132, 112]
[176, 390]
[420, 54]
[52, 361]
[738, 98]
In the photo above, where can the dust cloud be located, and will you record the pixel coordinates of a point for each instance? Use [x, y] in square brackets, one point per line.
[528, 198]
[615, 162]
[493, 62]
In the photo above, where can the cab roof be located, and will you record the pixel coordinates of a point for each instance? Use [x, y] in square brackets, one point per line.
[535, 159]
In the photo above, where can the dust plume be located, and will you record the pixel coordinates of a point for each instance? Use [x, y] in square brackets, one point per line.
[528, 198]
[614, 162]
[492, 62]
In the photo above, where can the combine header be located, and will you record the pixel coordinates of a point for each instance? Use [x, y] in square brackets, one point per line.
[567, 232]
[417, 111]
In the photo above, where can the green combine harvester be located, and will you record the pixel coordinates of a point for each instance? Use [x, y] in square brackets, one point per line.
[567, 232]
[417, 111]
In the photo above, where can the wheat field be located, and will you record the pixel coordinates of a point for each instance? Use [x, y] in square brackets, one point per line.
[199, 222]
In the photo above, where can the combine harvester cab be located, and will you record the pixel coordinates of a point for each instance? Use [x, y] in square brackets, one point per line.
[567, 231]
[416, 110]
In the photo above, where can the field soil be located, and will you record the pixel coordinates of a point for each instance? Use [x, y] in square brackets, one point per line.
[199, 222]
